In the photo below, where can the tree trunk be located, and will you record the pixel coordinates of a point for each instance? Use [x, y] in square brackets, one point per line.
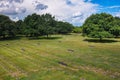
[47, 35]
[100, 38]
[3, 36]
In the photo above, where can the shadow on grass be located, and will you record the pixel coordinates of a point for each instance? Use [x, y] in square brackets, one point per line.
[102, 41]
[43, 37]
[11, 38]
[67, 34]
[29, 38]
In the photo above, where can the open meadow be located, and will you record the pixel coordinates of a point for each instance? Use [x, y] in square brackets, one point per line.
[61, 57]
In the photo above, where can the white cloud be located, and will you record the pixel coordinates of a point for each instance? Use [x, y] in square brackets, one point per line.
[14, 18]
[114, 7]
[117, 14]
[11, 7]
[74, 11]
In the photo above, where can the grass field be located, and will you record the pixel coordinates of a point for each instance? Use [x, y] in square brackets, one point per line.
[66, 57]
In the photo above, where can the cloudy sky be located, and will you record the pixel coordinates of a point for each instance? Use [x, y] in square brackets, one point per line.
[73, 11]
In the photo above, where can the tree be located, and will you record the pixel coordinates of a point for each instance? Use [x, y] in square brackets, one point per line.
[98, 26]
[20, 27]
[7, 27]
[64, 27]
[49, 24]
[33, 26]
[37, 25]
[77, 29]
[115, 30]
[32, 22]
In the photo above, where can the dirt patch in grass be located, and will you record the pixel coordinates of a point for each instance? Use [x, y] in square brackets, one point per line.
[65, 65]
[60, 41]
[70, 50]
[82, 79]
[109, 73]
[101, 71]
[7, 44]
[22, 49]
[62, 63]
[91, 46]
[34, 70]
[17, 74]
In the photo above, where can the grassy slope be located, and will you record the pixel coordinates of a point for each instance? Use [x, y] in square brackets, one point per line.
[67, 58]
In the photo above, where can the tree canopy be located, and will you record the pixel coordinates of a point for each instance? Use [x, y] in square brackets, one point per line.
[7, 27]
[64, 27]
[77, 29]
[101, 26]
[33, 25]
[45, 24]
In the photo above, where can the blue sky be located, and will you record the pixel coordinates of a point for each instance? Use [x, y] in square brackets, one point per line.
[106, 3]
[109, 6]
[73, 11]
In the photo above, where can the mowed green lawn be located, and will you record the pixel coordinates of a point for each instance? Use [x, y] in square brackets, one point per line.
[68, 57]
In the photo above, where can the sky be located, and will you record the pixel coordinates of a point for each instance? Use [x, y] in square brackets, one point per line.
[73, 11]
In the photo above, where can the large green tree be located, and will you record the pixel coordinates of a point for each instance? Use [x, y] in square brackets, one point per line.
[7, 27]
[77, 30]
[20, 27]
[64, 27]
[39, 25]
[32, 25]
[99, 26]
[115, 30]
[48, 24]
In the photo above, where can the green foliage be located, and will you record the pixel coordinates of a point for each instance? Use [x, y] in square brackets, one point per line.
[115, 30]
[64, 27]
[7, 27]
[48, 24]
[33, 26]
[20, 27]
[45, 25]
[101, 26]
[102, 34]
[97, 25]
[77, 30]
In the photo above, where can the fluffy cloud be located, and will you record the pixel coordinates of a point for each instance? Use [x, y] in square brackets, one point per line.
[11, 7]
[18, 1]
[117, 14]
[74, 11]
[39, 6]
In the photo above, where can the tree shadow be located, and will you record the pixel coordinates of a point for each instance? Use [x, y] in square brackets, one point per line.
[11, 38]
[102, 41]
[29, 38]
[43, 37]
[67, 34]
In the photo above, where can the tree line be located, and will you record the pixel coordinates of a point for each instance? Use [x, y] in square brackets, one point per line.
[33, 26]
[100, 26]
